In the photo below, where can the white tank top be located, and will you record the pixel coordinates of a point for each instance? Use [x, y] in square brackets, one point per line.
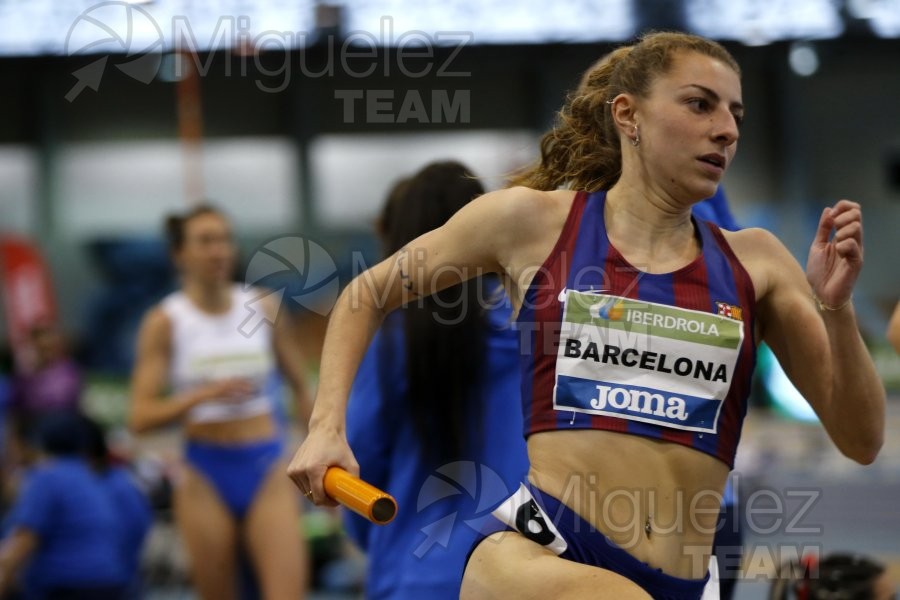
[209, 347]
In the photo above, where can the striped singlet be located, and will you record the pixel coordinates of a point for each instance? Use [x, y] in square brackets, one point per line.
[610, 347]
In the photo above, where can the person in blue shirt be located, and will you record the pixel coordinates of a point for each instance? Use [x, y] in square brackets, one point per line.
[63, 538]
[716, 209]
[434, 414]
[134, 516]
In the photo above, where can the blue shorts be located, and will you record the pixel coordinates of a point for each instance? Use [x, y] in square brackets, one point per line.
[236, 472]
[545, 520]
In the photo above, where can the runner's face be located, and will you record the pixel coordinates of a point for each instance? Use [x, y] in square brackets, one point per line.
[209, 252]
[688, 125]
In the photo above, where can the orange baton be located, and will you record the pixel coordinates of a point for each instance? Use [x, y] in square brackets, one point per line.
[359, 496]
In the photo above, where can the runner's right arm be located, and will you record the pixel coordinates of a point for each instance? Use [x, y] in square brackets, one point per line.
[477, 240]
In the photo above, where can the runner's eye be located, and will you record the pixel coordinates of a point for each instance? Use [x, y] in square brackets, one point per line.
[699, 105]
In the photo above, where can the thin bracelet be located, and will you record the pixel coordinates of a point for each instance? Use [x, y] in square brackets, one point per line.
[822, 306]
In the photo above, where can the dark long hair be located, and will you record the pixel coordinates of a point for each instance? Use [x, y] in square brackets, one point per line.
[443, 333]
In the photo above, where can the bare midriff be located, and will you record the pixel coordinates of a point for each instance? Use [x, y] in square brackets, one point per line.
[241, 431]
[659, 501]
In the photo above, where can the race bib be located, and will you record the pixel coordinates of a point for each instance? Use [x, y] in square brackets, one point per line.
[644, 361]
[522, 513]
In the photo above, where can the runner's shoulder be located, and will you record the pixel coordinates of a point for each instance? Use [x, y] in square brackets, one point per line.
[525, 211]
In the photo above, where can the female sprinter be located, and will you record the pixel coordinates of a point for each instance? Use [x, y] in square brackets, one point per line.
[639, 327]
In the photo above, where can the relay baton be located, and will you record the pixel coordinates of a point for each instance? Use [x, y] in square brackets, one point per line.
[359, 496]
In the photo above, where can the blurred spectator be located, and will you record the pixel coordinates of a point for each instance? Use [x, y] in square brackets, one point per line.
[434, 415]
[893, 331]
[134, 515]
[201, 362]
[62, 538]
[53, 382]
[135, 274]
[835, 577]
[4, 436]
[20, 452]
[5, 394]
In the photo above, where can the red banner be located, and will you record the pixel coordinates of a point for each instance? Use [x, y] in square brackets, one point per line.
[28, 297]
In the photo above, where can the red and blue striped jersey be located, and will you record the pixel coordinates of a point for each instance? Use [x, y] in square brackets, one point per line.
[611, 347]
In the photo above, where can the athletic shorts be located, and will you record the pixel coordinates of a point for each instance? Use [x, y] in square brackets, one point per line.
[545, 520]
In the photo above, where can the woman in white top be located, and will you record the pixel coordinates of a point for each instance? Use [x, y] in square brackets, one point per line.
[203, 360]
